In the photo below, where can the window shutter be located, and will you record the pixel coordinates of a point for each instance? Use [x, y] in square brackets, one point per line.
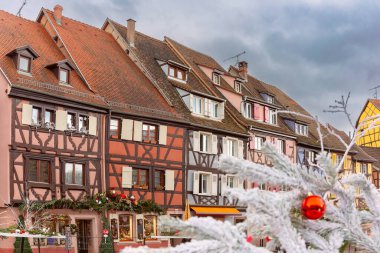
[266, 114]
[26, 114]
[163, 134]
[240, 183]
[196, 182]
[333, 159]
[127, 129]
[225, 145]
[221, 110]
[240, 149]
[191, 106]
[214, 144]
[126, 178]
[357, 170]
[256, 111]
[92, 125]
[206, 107]
[242, 105]
[214, 184]
[196, 141]
[137, 131]
[169, 180]
[252, 142]
[61, 120]
[223, 183]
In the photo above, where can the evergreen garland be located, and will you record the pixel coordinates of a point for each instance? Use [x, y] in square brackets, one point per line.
[17, 243]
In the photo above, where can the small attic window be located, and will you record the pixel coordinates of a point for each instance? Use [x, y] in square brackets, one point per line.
[268, 98]
[237, 86]
[174, 70]
[216, 78]
[22, 57]
[62, 70]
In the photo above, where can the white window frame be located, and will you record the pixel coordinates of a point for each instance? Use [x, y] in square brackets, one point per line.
[198, 105]
[208, 183]
[237, 86]
[270, 99]
[259, 141]
[214, 109]
[281, 146]
[301, 129]
[216, 78]
[230, 179]
[248, 110]
[205, 144]
[272, 117]
[232, 147]
[364, 168]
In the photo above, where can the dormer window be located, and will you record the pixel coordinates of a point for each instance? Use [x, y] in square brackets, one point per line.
[174, 70]
[272, 117]
[216, 78]
[24, 64]
[301, 129]
[177, 73]
[268, 98]
[22, 57]
[64, 76]
[238, 86]
[62, 70]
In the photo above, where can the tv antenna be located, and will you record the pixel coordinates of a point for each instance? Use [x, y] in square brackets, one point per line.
[19, 10]
[375, 91]
[235, 56]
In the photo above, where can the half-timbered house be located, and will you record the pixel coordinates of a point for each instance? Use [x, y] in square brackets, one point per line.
[51, 121]
[144, 133]
[211, 129]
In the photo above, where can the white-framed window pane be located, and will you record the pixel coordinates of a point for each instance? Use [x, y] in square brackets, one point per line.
[171, 72]
[259, 143]
[79, 174]
[63, 75]
[69, 167]
[230, 182]
[36, 115]
[24, 64]
[204, 139]
[180, 75]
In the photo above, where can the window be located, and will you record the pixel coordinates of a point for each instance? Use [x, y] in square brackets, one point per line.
[214, 109]
[259, 141]
[24, 64]
[301, 129]
[140, 178]
[159, 180]
[39, 171]
[216, 78]
[338, 159]
[198, 105]
[231, 147]
[247, 110]
[36, 116]
[54, 224]
[63, 75]
[49, 118]
[205, 143]
[74, 173]
[115, 129]
[281, 146]
[71, 121]
[83, 123]
[272, 117]
[150, 225]
[364, 168]
[177, 73]
[238, 87]
[270, 99]
[230, 182]
[310, 156]
[121, 227]
[149, 133]
[204, 183]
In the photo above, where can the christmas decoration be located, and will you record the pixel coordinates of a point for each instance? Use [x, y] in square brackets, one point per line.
[286, 229]
[249, 238]
[313, 207]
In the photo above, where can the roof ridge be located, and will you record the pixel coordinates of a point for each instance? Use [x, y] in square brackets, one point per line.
[80, 22]
[138, 32]
[19, 17]
[195, 51]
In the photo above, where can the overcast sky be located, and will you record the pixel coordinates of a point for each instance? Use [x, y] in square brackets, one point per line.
[314, 50]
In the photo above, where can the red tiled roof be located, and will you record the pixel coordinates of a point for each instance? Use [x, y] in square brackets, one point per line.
[16, 32]
[110, 72]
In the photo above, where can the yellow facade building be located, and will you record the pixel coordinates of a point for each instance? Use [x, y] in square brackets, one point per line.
[372, 137]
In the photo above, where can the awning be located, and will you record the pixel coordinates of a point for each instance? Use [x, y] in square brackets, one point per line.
[203, 210]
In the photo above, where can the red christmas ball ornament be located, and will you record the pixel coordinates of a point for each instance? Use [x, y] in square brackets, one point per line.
[249, 238]
[123, 196]
[313, 207]
[268, 239]
[23, 231]
[105, 232]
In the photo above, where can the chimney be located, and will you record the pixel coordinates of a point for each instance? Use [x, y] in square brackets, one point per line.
[243, 69]
[131, 32]
[58, 14]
